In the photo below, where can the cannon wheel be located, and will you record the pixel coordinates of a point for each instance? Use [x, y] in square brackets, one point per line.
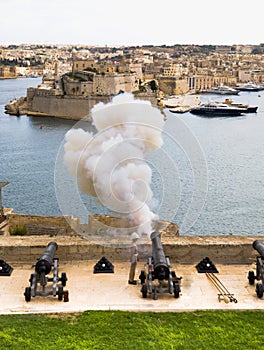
[60, 293]
[63, 279]
[259, 290]
[142, 276]
[176, 290]
[144, 290]
[27, 294]
[251, 277]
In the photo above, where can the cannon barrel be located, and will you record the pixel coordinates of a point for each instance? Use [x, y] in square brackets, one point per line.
[259, 246]
[44, 264]
[161, 268]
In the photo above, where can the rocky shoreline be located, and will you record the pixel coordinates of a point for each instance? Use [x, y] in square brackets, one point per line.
[17, 107]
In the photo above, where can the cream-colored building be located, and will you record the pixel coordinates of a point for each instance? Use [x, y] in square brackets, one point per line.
[7, 71]
[245, 75]
[172, 70]
[173, 85]
[101, 85]
[114, 84]
[80, 65]
[206, 82]
[105, 78]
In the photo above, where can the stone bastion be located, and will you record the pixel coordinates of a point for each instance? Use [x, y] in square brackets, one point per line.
[109, 236]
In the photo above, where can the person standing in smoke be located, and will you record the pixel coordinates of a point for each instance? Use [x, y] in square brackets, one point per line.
[133, 258]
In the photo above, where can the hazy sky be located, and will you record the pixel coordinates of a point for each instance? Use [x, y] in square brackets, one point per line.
[137, 22]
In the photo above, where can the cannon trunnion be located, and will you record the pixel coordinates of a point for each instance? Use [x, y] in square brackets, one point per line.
[39, 279]
[158, 277]
[259, 247]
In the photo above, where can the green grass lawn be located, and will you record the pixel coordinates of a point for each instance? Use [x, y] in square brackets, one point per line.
[232, 330]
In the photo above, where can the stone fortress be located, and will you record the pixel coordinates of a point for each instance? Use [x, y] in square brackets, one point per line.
[72, 95]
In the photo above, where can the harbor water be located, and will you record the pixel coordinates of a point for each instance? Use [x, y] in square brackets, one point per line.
[208, 177]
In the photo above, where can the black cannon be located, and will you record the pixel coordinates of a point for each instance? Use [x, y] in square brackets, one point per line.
[158, 270]
[259, 247]
[39, 278]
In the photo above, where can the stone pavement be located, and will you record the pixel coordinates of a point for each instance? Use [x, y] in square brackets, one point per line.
[111, 291]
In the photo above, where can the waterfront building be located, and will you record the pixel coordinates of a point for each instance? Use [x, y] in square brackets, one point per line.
[173, 85]
[206, 82]
[7, 71]
[255, 75]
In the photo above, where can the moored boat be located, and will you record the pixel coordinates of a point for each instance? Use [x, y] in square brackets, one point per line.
[249, 87]
[215, 109]
[171, 101]
[223, 90]
[249, 109]
[180, 109]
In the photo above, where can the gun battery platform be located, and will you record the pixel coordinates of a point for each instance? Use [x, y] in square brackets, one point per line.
[111, 291]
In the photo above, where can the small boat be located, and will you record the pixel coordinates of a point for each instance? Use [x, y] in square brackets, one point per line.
[249, 109]
[223, 90]
[249, 87]
[171, 101]
[216, 109]
[179, 103]
[180, 109]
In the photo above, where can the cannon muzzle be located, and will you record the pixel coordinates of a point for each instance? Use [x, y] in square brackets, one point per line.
[44, 264]
[259, 246]
[161, 268]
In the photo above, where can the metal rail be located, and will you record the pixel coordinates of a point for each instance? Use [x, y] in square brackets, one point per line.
[224, 293]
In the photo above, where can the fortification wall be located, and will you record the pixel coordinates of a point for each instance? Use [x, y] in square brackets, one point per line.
[43, 225]
[66, 107]
[68, 225]
[73, 247]
[70, 107]
[41, 102]
[184, 250]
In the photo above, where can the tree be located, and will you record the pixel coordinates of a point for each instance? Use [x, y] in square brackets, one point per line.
[153, 85]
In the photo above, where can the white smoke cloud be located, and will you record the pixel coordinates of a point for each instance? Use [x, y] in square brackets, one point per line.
[110, 164]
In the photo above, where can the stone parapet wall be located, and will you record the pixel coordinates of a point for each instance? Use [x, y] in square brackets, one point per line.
[63, 107]
[97, 225]
[100, 223]
[184, 250]
[39, 225]
[223, 249]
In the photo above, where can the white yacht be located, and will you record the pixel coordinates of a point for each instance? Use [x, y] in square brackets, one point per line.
[249, 87]
[223, 90]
